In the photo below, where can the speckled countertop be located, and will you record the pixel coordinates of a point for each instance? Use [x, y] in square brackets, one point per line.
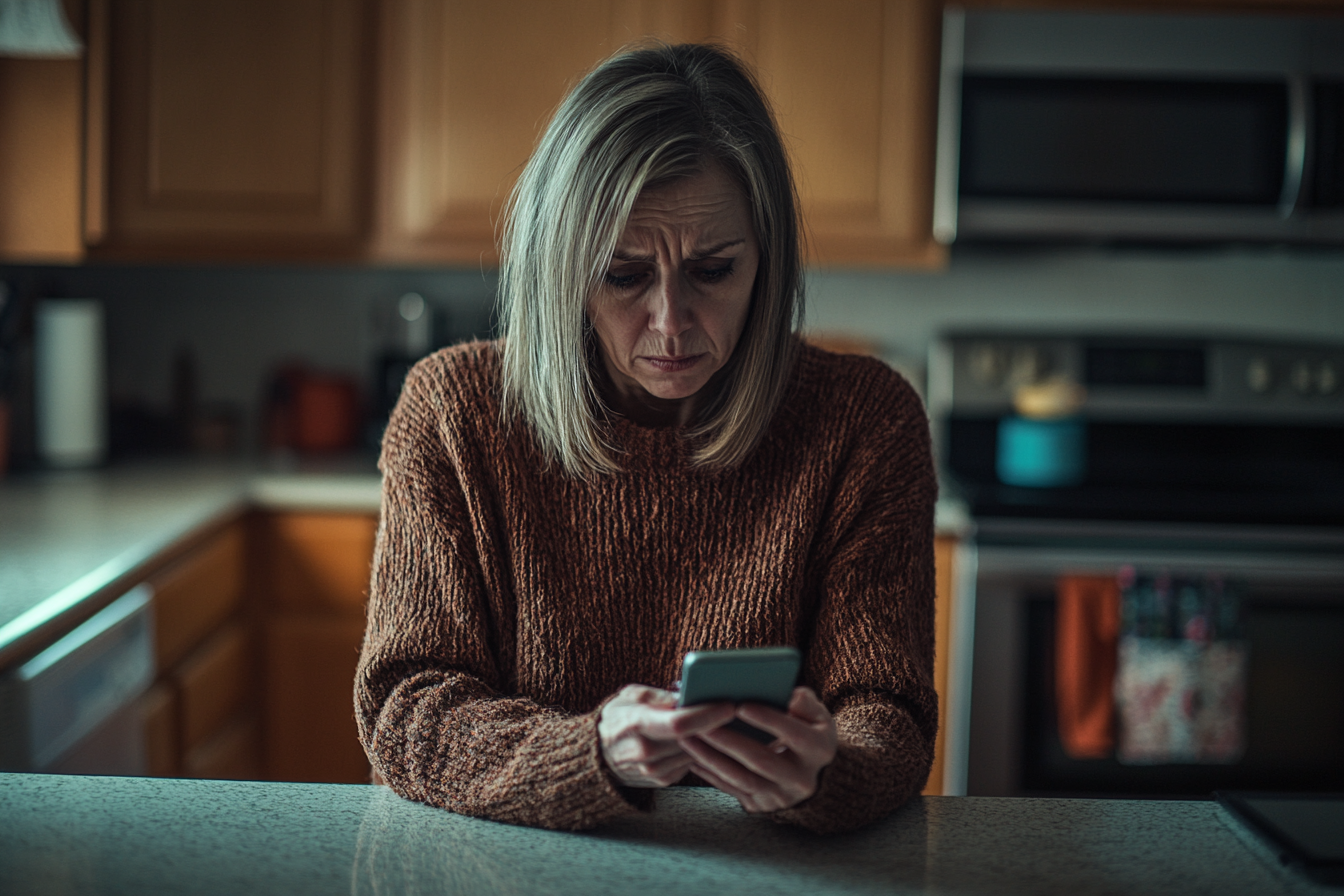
[73, 835]
[65, 536]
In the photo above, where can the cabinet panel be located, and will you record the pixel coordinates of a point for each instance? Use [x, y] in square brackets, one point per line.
[234, 753]
[159, 712]
[236, 127]
[196, 595]
[316, 562]
[944, 549]
[467, 90]
[215, 684]
[40, 166]
[310, 716]
[853, 83]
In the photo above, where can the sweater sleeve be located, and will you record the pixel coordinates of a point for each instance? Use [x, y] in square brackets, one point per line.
[429, 698]
[870, 656]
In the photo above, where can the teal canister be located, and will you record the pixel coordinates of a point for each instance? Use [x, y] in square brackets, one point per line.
[1044, 444]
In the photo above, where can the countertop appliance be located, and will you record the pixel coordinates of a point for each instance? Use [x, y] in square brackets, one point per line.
[1197, 457]
[1117, 126]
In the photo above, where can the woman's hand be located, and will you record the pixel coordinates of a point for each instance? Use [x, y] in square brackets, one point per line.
[641, 731]
[765, 778]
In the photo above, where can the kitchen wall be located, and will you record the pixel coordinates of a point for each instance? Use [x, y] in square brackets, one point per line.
[238, 323]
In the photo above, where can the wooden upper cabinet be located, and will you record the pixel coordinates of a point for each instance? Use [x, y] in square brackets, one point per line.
[237, 128]
[854, 85]
[467, 89]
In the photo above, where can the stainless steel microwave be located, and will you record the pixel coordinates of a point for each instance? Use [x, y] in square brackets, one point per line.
[1140, 127]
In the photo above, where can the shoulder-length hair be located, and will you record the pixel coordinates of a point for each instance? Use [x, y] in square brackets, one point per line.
[639, 120]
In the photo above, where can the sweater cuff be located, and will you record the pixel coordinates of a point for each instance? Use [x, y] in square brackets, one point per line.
[572, 788]
[844, 790]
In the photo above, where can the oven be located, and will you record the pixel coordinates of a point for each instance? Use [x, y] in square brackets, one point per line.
[1166, 477]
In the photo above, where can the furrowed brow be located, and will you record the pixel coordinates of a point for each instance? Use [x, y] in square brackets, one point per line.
[716, 249]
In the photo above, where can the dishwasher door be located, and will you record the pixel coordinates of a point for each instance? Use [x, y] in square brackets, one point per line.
[72, 708]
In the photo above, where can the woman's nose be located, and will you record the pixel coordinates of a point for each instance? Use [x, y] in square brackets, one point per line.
[671, 312]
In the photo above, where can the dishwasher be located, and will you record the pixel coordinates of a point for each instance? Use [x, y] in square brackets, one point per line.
[74, 707]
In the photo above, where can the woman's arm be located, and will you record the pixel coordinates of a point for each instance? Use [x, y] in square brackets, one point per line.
[869, 652]
[430, 697]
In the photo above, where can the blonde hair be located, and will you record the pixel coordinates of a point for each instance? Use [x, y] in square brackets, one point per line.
[638, 120]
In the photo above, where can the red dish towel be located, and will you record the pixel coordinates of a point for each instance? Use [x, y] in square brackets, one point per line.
[1087, 627]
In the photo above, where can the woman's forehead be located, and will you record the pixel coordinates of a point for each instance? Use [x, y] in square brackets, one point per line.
[708, 208]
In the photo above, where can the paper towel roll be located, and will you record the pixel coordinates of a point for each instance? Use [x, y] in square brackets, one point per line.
[69, 382]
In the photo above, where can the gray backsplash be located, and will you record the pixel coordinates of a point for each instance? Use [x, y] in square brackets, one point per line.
[239, 322]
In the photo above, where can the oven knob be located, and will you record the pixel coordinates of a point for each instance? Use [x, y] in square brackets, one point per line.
[1260, 375]
[1327, 378]
[1299, 376]
[988, 364]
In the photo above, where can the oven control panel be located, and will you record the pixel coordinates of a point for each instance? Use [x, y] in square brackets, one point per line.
[1139, 377]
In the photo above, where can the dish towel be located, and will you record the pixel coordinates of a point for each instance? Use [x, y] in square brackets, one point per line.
[1087, 626]
[1180, 686]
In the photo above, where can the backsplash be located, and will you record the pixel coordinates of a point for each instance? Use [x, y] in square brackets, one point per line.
[237, 324]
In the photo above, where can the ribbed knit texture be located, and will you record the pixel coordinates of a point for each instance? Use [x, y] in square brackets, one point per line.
[509, 601]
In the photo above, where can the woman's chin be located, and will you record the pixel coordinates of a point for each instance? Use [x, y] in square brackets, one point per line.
[675, 388]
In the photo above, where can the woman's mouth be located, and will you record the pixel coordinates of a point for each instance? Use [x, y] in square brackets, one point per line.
[673, 363]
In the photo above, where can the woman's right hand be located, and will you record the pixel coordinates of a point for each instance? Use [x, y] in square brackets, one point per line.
[639, 728]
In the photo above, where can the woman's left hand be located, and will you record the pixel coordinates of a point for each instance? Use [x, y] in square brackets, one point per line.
[769, 777]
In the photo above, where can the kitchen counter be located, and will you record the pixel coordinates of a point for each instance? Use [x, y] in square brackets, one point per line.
[69, 536]
[75, 835]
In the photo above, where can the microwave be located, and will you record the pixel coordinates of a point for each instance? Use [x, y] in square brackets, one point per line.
[1125, 127]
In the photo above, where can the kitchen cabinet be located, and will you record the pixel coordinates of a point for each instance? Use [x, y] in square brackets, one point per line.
[854, 86]
[392, 130]
[235, 130]
[467, 89]
[944, 549]
[202, 716]
[313, 576]
[41, 159]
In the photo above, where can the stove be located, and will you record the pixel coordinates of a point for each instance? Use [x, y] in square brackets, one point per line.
[1189, 459]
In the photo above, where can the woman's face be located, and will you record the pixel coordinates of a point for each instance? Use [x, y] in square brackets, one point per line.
[675, 296]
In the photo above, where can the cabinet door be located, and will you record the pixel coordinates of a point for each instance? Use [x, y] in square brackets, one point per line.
[310, 716]
[197, 594]
[216, 685]
[854, 85]
[315, 562]
[236, 128]
[467, 88]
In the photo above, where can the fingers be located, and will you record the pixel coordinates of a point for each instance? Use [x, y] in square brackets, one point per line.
[765, 779]
[807, 706]
[753, 792]
[639, 729]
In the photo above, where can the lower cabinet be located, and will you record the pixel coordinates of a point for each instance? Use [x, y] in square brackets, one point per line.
[944, 548]
[312, 576]
[201, 719]
[310, 721]
[258, 630]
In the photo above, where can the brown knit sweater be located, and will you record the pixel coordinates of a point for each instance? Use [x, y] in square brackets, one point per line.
[509, 601]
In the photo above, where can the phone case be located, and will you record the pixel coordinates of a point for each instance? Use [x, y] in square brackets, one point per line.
[753, 675]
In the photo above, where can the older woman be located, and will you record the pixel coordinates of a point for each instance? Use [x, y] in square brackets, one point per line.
[651, 462]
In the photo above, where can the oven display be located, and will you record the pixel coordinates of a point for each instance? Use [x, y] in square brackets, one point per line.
[1130, 365]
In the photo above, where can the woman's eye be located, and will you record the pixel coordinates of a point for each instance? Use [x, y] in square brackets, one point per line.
[624, 281]
[715, 274]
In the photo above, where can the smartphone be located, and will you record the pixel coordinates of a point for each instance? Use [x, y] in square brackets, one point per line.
[752, 675]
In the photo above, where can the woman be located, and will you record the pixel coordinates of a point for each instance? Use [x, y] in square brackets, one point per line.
[650, 462]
